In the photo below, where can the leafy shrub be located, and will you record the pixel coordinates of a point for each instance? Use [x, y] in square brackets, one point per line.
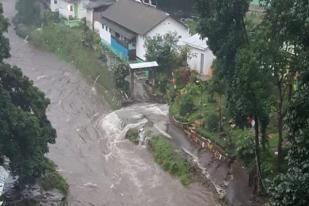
[121, 70]
[244, 146]
[212, 122]
[171, 94]
[182, 77]
[28, 12]
[170, 160]
[186, 105]
[67, 44]
[162, 82]
[53, 180]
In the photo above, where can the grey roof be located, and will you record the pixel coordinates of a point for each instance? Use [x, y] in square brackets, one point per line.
[93, 4]
[119, 29]
[135, 16]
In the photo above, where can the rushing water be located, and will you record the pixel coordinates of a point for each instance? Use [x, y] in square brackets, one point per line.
[101, 167]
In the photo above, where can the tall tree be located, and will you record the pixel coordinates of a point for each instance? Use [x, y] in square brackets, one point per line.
[25, 129]
[291, 188]
[223, 23]
[252, 96]
[164, 50]
[4, 42]
[239, 62]
[286, 31]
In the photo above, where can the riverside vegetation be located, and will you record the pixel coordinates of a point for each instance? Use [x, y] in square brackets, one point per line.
[249, 107]
[260, 74]
[165, 155]
[76, 44]
[25, 129]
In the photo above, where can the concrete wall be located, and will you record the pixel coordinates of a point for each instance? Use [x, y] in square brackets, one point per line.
[168, 25]
[89, 18]
[53, 6]
[104, 33]
[140, 49]
[82, 11]
[63, 7]
[194, 60]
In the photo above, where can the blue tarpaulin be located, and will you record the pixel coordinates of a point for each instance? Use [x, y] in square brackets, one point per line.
[119, 49]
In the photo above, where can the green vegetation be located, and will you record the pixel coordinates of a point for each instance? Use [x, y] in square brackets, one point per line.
[263, 64]
[25, 129]
[53, 180]
[28, 12]
[291, 188]
[121, 71]
[4, 42]
[165, 51]
[73, 45]
[133, 135]
[30, 15]
[170, 160]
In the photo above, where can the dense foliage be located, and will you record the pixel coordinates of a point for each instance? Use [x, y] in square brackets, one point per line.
[165, 51]
[260, 63]
[90, 60]
[291, 188]
[121, 71]
[25, 129]
[4, 42]
[28, 12]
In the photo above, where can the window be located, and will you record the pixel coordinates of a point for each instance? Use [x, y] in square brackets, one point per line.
[117, 35]
[103, 26]
[55, 2]
[70, 7]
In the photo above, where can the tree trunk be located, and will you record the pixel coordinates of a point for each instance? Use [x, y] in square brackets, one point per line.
[280, 129]
[263, 135]
[220, 114]
[257, 156]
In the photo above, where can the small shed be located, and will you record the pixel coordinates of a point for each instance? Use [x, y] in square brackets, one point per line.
[148, 67]
[201, 57]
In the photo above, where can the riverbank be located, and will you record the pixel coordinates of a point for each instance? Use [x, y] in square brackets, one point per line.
[75, 43]
[50, 189]
[94, 62]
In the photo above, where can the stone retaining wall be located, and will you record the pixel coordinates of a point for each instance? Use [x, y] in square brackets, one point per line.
[199, 140]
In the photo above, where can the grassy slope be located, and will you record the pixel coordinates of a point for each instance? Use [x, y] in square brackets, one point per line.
[67, 44]
[170, 160]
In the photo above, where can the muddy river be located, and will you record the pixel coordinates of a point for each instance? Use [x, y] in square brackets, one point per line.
[101, 167]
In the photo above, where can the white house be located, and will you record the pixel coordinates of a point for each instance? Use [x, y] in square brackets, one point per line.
[75, 9]
[126, 24]
[201, 57]
[78, 9]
